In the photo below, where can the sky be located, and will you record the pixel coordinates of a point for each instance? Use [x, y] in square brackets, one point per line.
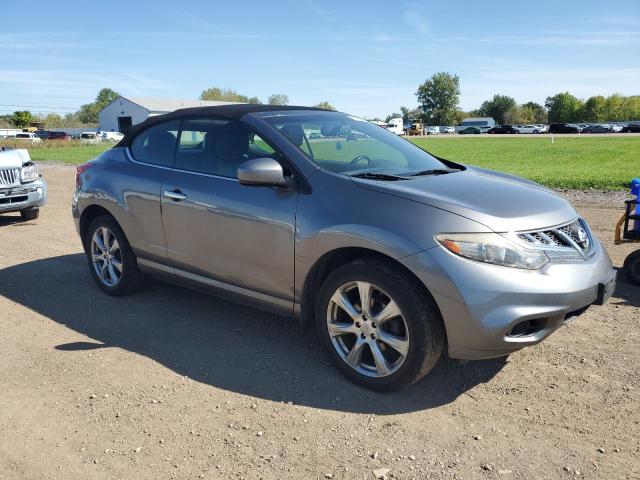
[365, 57]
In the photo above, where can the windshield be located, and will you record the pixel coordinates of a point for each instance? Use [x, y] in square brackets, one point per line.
[349, 145]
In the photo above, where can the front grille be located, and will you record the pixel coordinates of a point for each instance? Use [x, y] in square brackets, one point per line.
[573, 236]
[10, 176]
[9, 200]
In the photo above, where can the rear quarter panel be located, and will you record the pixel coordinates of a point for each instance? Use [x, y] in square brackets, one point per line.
[131, 193]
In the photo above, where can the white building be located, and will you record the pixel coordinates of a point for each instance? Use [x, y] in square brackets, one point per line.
[124, 112]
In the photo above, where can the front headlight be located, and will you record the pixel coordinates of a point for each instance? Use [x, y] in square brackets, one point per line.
[29, 173]
[492, 248]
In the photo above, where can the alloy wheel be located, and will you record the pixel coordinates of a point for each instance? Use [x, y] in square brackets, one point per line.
[367, 329]
[106, 256]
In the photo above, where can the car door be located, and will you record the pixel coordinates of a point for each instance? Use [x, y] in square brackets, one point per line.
[220, 229]
[151, 152]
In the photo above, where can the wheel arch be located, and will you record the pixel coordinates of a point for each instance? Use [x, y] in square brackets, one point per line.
[88, 215]
[332, 260]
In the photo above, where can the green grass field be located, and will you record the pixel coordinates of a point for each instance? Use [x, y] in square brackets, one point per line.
[605, 163]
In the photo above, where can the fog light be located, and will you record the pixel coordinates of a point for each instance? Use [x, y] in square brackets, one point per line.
[40, 191]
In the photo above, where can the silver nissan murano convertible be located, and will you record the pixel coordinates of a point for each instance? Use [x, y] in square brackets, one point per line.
[392, 253]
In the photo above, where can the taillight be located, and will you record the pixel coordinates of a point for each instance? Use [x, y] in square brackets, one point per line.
[79, 170]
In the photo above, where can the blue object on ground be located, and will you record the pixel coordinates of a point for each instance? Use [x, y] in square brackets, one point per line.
[635, 190]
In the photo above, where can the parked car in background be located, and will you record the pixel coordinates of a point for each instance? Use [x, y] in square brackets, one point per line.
[448, 130]
[527, 128]
[58, 136]
[631, 128]
[604, 128]
[90, 137]
[390, 252]
[542, 128]
[470, 131]
[616, 127]
[503, 129]
[43, 134]
[22, 188]
[111, 136]
[28, 137]
[433, 130]
[416, 129]
[563, 128]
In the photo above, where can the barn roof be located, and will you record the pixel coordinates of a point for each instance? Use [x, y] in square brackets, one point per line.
[165, 105]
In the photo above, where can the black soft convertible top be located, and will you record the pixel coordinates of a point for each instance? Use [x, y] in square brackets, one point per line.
[233, 111]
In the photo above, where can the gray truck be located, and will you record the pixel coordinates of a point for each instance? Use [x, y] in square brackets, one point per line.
[22, 188]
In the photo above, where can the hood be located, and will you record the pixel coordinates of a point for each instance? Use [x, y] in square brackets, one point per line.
[499, 201]
[14, 158]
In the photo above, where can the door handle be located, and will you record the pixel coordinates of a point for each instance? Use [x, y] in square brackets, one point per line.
[176, 195]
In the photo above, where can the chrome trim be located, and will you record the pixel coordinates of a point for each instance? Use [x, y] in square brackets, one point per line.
[556, 241]
[9, 177]
[174, 195]
[210, 175]
[130, 156]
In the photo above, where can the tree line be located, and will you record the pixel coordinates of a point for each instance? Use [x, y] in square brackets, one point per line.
[438, 99]
[87, 115]
[230, 95]
[438, 104]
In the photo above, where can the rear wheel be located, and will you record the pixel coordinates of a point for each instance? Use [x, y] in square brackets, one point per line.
[632, 267]
[382, 330]
[30, 214]
[112, 263]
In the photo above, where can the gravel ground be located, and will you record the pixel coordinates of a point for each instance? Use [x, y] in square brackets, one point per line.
[171, 383]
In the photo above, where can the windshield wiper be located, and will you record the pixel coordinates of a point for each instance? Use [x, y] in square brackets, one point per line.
[378, 176]
[435, 171]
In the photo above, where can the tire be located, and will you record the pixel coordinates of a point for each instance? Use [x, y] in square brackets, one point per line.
[126, 279]
[632, 267]
[30, 214]
[417, 330]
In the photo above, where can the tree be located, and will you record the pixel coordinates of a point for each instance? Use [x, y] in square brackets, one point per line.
[21, 118]
[325, 105]
[461, 115]
[88, 113]
[226, 95]
[278, 99]
[533, 113]
[54, 120]
[438, 99]
[497, 108]
[393, 115]
[404, 112]
[563, 108]
[595, 109]
[514, 116]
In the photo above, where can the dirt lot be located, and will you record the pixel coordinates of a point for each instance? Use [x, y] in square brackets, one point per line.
[175, 384]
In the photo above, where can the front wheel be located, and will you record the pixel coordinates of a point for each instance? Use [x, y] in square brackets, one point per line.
[632, 267]
[382, 330]
[30, 214]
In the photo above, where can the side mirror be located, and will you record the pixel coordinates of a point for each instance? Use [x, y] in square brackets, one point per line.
[261, 171]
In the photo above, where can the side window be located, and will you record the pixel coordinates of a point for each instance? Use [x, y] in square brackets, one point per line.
[156, 145]
[218, 146]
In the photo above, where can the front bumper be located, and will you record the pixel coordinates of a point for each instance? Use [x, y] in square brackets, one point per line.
[23, 197]
[490, 311]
